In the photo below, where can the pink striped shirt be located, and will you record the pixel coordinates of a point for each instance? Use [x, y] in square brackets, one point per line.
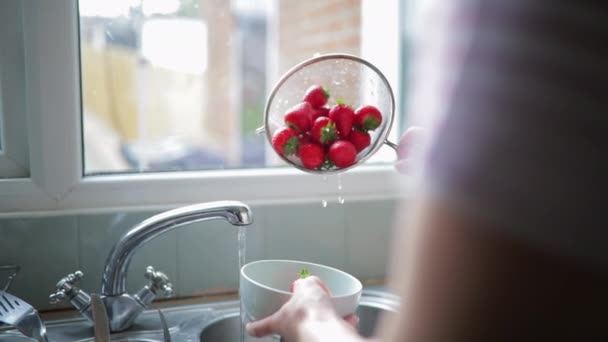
[522, 88]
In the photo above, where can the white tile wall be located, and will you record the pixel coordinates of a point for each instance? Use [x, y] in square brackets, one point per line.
[354, 236]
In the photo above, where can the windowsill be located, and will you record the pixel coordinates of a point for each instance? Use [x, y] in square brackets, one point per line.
[160, 191]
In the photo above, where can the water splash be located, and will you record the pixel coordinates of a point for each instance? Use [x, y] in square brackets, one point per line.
[341, 199]
[324, 203]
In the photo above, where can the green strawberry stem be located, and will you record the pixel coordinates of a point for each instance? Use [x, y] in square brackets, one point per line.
[304, 273]
[370, 123]
[291, 147]
[328, 133]
[326, 92]
[327, 164]
[340, 101]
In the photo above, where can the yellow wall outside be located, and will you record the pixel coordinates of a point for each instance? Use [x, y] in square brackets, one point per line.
[109, 87]
[169, 102]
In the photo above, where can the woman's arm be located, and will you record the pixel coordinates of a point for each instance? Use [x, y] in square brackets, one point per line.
[461, 281]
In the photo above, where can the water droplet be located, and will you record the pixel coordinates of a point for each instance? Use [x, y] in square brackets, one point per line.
[340, 199]
[316, 54]
[324, 203]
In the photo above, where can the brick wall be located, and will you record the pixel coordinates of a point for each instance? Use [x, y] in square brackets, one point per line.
[317, 26]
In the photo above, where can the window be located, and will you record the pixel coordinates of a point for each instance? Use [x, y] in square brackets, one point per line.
[13, 134]
[98, 98]
[181, 84]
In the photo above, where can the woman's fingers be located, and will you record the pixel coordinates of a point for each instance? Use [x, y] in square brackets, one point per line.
[352, 320]
[410, 147]
[263, 327]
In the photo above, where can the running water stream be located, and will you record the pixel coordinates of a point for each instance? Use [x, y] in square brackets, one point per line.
[242, 244]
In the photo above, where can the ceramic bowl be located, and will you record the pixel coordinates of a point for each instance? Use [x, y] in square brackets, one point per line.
[264, 286]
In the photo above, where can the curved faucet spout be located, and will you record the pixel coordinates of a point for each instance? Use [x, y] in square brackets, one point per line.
[113, 282]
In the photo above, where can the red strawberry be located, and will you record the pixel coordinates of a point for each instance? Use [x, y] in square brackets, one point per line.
[368, 118]
[318, 112]
[312, 155]
[305, 138]
[285, 141]
[317, 96]
[359, 139]
[343, 116]
[324, 130]
[342, 153]
[298, 117]
[301, 275]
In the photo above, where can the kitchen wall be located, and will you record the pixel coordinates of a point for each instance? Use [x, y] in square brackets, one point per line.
[200, 258]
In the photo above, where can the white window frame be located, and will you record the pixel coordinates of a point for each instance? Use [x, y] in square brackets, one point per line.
[56, 184]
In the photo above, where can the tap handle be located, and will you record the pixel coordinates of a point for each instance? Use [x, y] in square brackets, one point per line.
[57, 297]
[159, 282]
[66, 287]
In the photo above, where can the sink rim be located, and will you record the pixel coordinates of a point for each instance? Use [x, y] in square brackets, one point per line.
[184, 320]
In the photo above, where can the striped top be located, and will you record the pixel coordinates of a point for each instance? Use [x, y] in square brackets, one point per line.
[521, 88]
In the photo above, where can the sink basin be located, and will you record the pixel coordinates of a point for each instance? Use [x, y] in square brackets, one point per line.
[217, 321]
[226, 328]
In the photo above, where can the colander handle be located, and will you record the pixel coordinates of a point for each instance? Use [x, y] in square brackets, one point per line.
[392, 145]
[260, 130]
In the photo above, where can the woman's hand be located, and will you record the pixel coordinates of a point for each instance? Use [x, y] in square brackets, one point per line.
[308, 315]
[411, 149]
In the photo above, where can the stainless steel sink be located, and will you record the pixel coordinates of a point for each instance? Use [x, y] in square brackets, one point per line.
[226, 328]
[218, 321]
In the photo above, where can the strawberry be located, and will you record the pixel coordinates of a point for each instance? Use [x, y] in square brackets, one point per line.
[312, 155]
[285, 141]
[305, 138]
[359, 139]
[324, 130]
[343, 116]
[298, 117]
[301, 275]
[318, 112]
[342, 153]
[368, 118]
[317, 96]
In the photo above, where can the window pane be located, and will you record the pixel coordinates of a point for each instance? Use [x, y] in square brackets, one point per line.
[1, 115]
[181, 84]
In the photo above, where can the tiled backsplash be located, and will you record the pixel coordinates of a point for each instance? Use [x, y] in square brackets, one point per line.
[202, 256]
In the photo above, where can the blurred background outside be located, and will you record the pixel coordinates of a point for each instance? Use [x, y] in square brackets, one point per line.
[181, 84]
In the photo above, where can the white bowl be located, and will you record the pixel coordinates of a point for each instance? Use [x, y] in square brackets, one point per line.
[264, 286]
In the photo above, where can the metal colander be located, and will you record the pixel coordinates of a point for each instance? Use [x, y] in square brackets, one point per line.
[352, 79]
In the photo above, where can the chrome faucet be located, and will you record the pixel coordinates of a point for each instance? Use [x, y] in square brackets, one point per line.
[123, 308]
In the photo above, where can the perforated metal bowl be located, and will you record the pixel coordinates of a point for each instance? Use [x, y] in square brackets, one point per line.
[350, 78]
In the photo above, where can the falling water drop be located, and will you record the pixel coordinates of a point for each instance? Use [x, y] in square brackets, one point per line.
[340, 197]
[324, 203]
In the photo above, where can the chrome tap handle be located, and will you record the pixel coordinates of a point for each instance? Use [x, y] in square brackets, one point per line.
[158, 282]
[66, 287]
[57, 297]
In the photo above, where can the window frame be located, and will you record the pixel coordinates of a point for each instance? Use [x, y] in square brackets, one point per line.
[57, 183]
